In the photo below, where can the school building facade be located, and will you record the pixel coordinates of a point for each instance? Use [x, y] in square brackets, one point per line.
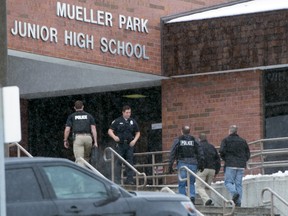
[208, 73]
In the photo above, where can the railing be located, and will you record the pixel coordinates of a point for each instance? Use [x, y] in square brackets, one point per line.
[158, 169]
[19, 149]
[271, 201]
[91, 167]
[225, 201]
[256, 164]
[258, 155]
[113, 153]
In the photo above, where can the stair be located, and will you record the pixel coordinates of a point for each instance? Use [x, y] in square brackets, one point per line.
[239, 211]
[210, 210]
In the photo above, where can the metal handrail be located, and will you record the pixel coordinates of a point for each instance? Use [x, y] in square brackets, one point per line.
[253, 163]
[19, 147]
[225, 201]
[91, 167]
[262, 153]
[155, 176]
[112, 159]
[269, 152]
[271, 201]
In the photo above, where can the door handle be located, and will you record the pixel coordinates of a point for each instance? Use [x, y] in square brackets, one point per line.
[73, 209]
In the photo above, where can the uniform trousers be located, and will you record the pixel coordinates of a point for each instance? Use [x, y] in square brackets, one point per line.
[126, 152]
[206, 175]
[82, 146]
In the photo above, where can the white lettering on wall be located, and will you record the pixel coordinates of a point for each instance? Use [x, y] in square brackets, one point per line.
[117, 47]
[86, 41]
[79, 40]
[34, 31]
[82, 14]
[133, 24]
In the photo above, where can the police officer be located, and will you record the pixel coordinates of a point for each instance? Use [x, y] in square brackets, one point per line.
[187, 152]
[84, 132]
[125, 132]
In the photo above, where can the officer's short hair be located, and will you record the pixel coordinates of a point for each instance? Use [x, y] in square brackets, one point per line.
[186, 130]
[202, 136]
[126, 107]
[78, 104]
[233, 129]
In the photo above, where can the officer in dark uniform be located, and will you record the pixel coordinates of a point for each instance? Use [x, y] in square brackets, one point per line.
[187, 152]
[84, 132]
[125, 132]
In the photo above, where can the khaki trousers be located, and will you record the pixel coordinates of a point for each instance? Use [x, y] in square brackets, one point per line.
[207, 175]
[82, 146]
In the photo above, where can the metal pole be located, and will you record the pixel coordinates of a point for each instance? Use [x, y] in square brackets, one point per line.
[3, 71]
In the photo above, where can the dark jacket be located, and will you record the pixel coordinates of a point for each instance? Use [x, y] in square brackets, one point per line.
[234, 151]
[186, 149]
[211, 156]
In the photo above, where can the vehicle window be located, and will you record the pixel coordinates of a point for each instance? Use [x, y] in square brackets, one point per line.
[71, 183]
[22, 185]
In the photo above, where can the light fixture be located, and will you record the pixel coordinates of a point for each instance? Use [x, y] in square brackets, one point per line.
[134, 96]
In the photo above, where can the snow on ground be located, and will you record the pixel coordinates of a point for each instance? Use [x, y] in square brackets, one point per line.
[278, 174]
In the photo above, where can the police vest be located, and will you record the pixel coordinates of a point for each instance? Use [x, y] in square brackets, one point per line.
[81, 122]
[186, 147]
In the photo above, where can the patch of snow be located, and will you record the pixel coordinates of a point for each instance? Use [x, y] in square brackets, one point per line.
[278, 174]
[253, 6]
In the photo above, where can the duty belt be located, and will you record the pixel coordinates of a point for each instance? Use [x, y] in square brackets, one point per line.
[83, 134]
[124, 142]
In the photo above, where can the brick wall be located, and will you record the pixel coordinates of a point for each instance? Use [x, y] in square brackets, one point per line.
[43, 13]
[211, 104]
[225, 43]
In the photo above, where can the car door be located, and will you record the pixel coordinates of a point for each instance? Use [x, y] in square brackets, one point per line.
[79, 193]
[24, 195]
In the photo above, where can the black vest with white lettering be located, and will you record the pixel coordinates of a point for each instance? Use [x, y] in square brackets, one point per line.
[186, 147]
[81, 122]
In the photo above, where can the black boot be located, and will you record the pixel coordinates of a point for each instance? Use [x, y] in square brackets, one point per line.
[192, 200]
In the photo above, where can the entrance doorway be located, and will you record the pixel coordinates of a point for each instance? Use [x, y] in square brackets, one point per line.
[47, 118]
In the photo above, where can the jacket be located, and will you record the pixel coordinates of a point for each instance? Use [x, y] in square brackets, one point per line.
[234, 151]
[211, 156]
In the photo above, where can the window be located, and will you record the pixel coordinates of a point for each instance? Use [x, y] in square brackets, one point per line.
[23, 186]
[71, 183]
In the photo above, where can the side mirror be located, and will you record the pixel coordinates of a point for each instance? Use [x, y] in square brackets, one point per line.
[114, 192]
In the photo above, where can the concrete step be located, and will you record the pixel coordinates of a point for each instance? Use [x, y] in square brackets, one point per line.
[239, 211]
[208, 210]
